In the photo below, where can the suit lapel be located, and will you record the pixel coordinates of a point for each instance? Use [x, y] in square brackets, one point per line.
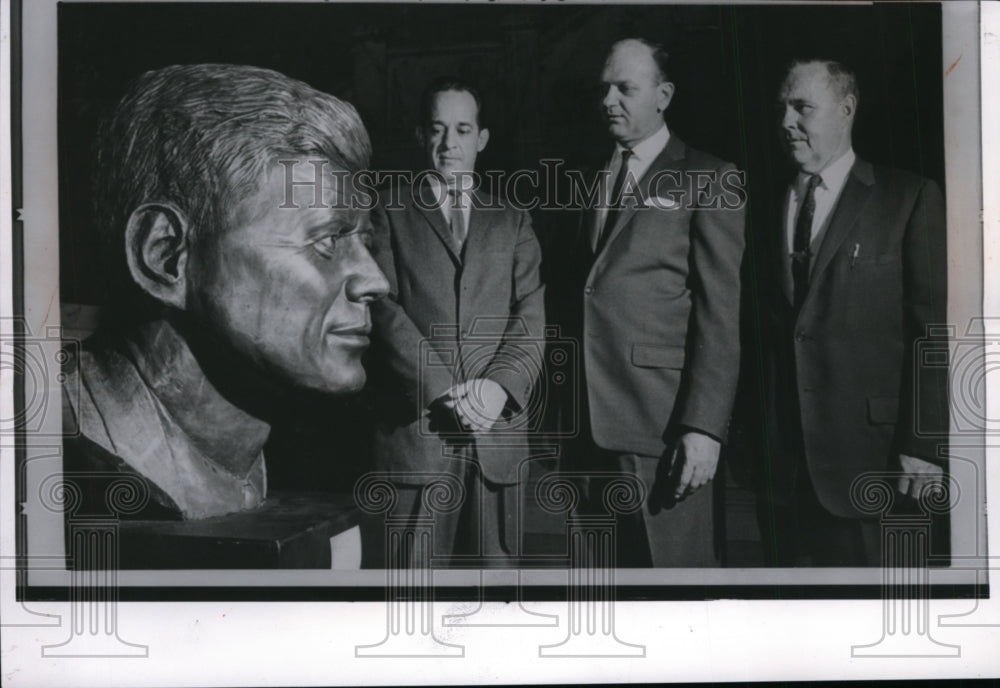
[435, 218]
[479, 235]
[590, 222]
[783, 264]
[667, 159]
[856, 191]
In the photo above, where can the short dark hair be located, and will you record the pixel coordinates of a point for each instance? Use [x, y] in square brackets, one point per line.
[449, 83]
[661, 58]
[202, 137]
[842, 78]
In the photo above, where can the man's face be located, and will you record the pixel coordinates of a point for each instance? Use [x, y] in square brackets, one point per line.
[290, 287]
[815, 122]
[634, 96]
[452, 137]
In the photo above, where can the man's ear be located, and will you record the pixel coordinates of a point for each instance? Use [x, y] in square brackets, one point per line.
[849, 105]
[418, 133]
[666, 94]
[482, 140]
[156, 247]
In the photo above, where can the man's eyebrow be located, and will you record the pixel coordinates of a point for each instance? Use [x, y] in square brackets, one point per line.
[437, 122]
[334, 225]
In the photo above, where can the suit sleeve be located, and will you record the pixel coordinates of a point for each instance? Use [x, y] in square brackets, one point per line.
[515, 365]
[923, 407]
[713, 350]
[397, 337]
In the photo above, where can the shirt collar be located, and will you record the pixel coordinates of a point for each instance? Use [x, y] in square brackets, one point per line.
[650, 147]
[835, 174]
[440, 191]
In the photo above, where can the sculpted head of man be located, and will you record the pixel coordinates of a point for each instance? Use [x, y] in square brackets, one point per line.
[816, 106]
[224, 195]
[636, 90]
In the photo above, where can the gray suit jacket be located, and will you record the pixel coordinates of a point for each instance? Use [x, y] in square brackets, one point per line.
[661, 309]
[846, 371]
[452, 316]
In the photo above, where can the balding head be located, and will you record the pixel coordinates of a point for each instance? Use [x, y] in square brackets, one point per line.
[817, 105]
[636, 92]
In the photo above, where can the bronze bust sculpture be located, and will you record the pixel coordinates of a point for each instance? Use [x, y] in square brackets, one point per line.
[238, 267]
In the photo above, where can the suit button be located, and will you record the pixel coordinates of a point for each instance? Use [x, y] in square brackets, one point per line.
[800, 336]
[588, 290]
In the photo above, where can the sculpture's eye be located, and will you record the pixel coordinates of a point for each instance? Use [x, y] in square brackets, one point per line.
[327, 245]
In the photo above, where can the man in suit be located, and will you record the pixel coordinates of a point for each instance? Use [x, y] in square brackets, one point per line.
[659, 336]
[465, 286]
[853, 272]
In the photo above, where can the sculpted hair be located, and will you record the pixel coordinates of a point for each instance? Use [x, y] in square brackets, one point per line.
[203, 136]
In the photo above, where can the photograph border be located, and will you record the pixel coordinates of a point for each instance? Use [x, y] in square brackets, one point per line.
[303, 642]
[632, 585]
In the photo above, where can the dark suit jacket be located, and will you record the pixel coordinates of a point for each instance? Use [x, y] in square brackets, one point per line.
[660, 326]
[842, 372]
[450, 317]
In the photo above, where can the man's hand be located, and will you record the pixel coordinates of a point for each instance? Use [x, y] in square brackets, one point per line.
[478, 403]
[696, 456]
[917, 474]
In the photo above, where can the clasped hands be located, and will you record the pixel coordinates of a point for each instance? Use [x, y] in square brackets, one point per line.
[477, 404]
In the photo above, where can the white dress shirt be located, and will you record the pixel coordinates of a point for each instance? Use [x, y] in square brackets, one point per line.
[643, 155]
[827, 193]
[444, 203]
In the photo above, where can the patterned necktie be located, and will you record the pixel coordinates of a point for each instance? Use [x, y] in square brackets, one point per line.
[456, 219]
[616, 200]
[801, 255]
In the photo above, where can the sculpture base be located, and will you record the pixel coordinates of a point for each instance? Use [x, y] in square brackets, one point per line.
[289, 531]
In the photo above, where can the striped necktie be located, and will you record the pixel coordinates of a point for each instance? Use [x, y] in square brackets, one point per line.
[456, 218]
[616, 200]
[802, 255]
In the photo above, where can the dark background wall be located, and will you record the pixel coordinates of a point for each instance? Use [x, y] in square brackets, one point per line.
[537, 65]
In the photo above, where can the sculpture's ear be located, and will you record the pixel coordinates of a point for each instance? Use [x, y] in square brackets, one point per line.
[156, 246]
